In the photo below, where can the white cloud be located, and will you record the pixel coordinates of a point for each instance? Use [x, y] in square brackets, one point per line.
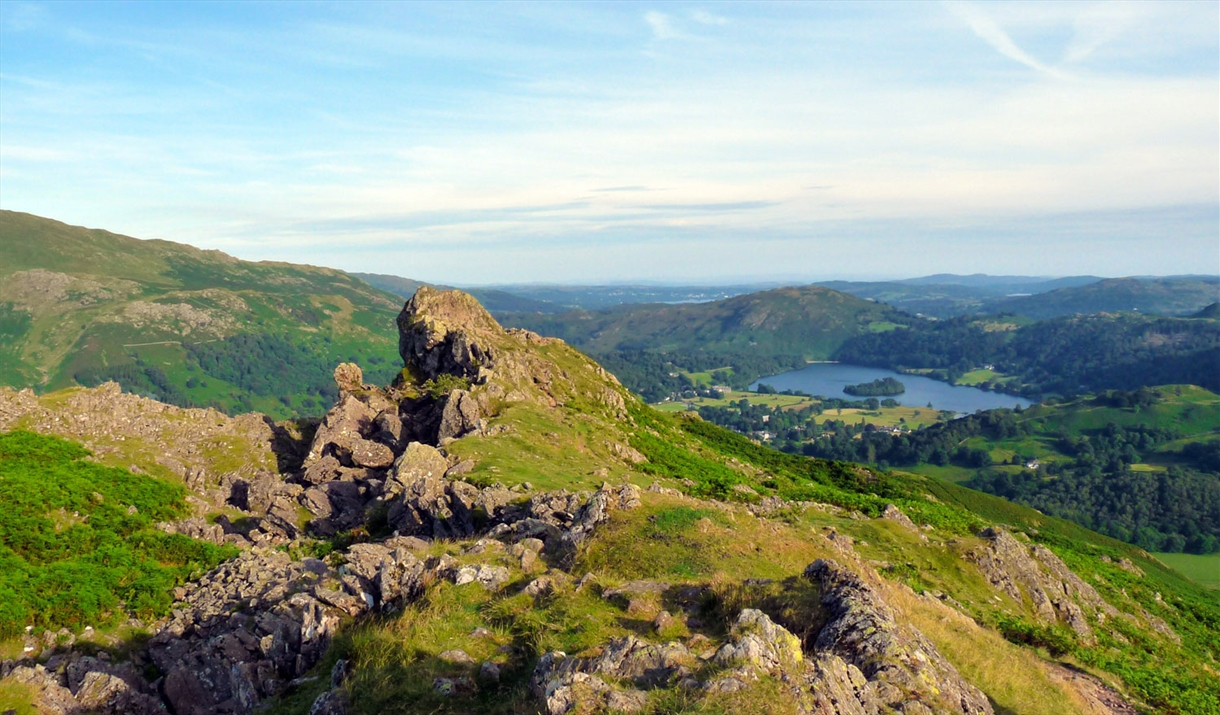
[990, 32]
[1098, 25]
[661, 24]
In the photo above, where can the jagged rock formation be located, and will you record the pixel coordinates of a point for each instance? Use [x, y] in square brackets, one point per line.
[1036, 573]
[904, 670]
[861, 662]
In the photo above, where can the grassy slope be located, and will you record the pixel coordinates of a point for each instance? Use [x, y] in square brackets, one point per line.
[79, 545]
[685, 541]
[809, 321]
[1195, 413]
[101, 316]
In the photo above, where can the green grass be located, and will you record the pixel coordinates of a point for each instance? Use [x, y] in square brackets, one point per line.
[1202, 569]
[78, 545]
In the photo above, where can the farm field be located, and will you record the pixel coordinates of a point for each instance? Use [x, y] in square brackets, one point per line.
[1203, 569]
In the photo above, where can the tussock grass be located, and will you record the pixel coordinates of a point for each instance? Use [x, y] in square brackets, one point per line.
[1015, 679]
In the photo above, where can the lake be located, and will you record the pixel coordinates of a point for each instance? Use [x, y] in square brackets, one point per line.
[829, 379]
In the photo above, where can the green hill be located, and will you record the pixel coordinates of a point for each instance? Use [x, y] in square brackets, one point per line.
[1158, 296]
[810, 321]
[1212, 311]
[649, 345]
[1142, 466]
[188, 326]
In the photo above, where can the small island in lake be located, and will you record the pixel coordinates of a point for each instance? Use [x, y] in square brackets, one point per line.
[876, 388]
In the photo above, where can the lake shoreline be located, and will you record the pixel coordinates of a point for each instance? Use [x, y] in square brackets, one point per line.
[828, 378]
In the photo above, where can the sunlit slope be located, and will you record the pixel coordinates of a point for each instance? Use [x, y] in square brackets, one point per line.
[189, 326]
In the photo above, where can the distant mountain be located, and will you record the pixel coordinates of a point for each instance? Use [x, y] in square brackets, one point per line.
[1160, 296]
[810, 321]
[999, 283]
[495, 301]
[608, 296]
[946, 295]
[187, 326]
[649, 346]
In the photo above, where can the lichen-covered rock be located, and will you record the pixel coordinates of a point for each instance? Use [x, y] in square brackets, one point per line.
[758, 642]
[1035, 572]
[349, 377]
[460, 416]
[904, 665]
[350, 419]
[439, 332]
[837, 687]
[418, 461]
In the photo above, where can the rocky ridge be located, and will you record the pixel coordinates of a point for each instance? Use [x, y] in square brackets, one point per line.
[379, 466]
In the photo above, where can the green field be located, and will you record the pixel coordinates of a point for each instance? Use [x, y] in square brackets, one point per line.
[913, 417]
[1202, 569]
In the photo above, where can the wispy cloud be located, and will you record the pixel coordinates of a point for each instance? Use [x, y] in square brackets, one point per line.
[704, 17]
[990, 32]
[1098, 25]
[423, 132]
[661, 24]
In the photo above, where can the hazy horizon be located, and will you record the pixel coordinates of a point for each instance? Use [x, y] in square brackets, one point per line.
[595, 144]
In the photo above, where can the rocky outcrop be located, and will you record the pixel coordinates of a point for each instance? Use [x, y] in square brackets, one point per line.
[564, 684]
[1035, 573]
[445, 332]
[88, 685]
[201, 446]
[862, 662]
[904, 669]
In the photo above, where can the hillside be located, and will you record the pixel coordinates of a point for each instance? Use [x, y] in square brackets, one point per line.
[192, 327]
[504, 529]
[1064, 356]
[947, 295]
[1212, 311]
[1142, 467]
[751, 335]
[1155, 296]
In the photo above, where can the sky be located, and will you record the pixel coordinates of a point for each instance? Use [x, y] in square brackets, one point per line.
[664, 142]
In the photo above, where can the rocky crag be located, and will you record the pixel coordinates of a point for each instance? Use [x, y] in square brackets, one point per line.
[399, 482]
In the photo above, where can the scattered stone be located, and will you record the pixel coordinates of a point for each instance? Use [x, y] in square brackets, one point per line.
[457, 657]
[489, 672]
[539, 587]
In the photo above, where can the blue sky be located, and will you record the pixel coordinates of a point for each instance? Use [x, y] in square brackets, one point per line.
[550, 142]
